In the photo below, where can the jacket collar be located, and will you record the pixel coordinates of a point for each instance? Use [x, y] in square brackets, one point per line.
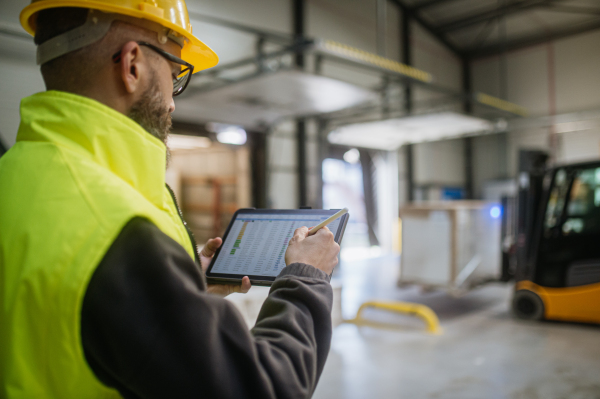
[99, 133]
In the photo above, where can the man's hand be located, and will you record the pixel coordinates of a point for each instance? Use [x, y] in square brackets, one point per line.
[319, 250]
[220, 289]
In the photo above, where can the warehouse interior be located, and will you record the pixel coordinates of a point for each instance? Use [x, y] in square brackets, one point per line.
[464, 138]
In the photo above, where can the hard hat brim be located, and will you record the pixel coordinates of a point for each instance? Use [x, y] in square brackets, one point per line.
[194, 50]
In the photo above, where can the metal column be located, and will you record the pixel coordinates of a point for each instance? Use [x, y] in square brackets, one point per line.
[258, 165]
[370, 190]
[298, 22]
[381, 27]
[298, 17]
[322, 148]
[406, 59]
[468, 141]
[301, 157]
[410, 173]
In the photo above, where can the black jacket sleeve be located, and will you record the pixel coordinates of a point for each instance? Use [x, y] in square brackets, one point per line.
[150, 329]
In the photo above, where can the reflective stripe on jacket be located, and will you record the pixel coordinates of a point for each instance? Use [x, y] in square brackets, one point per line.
[77, 174]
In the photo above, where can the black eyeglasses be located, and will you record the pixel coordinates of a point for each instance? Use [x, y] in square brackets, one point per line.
[181, 81]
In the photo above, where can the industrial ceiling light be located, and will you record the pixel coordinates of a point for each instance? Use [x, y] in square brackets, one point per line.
[352, 156]
[390, 134]
[236, 136]
[228, 134]
[182, 142]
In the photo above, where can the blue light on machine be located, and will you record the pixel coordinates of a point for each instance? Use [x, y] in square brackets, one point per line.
[495, 212]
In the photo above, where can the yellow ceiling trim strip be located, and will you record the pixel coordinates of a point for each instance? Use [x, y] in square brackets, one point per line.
[501, 104]
[376, 60]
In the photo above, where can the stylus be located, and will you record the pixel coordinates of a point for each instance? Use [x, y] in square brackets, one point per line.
[327, 221]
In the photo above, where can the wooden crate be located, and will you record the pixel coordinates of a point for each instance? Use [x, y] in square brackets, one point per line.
[210, 184]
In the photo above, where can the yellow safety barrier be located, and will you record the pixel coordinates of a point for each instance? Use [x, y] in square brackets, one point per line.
[412, 309]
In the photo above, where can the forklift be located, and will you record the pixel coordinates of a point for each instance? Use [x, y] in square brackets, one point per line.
[555, 259]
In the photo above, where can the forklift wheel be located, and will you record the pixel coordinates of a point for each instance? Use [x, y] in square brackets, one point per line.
[528, 305]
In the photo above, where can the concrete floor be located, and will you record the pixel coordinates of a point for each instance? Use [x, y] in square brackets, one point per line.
[483, 353]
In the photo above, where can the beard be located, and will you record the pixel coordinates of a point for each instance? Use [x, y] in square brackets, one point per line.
[152, 113]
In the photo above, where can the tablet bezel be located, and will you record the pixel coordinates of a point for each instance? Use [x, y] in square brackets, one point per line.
[224, 278]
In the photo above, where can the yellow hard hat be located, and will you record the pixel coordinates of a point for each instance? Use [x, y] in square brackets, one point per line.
[171, 14]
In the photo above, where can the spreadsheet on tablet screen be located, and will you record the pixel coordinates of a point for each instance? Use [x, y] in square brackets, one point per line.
[256, 244]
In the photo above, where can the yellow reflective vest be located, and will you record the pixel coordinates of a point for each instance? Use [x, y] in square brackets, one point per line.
[77, 174]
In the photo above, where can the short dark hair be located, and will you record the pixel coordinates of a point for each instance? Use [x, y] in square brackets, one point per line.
[77, 70]
[56, 21]
[60, 73]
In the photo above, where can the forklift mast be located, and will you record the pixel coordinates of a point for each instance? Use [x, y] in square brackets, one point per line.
[532, 169]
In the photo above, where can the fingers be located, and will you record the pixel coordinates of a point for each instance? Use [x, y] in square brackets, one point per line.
[324, 232]
[245, 287]
[226, 289]
[242, 288]
[300, 233]
[211, 246]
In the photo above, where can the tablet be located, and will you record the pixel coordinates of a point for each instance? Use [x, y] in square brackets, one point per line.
[255, 242]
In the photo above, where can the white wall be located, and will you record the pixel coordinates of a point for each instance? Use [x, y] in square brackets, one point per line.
[230, 45]
[579, 146]
[440, 163]
[431, 56]
[10, 10]
[18, 81]
[353, 23]
[20, 77]
[436, 163]
[282, 177]
[489, 160]
[577, 68]
[282, 190]
[555, 78]
[526, 69]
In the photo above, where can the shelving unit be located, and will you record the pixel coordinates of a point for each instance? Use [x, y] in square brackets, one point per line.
[210, 184]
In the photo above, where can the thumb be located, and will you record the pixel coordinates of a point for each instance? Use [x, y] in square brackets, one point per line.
[211, 246]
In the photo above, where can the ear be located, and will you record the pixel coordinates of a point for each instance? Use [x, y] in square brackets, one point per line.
[132, 66]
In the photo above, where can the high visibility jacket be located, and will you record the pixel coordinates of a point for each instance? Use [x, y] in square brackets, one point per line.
[77, 174]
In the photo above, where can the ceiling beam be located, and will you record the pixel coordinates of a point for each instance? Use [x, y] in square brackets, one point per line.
[427, 26]
[499, 12]
[15, 32]
[429, 3]
[533, 40]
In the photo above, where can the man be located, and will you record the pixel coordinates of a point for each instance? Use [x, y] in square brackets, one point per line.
[102, 291]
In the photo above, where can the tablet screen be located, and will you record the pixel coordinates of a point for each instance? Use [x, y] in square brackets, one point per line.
[256, 243]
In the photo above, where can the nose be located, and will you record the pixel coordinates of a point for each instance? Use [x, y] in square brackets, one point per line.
[172, 106]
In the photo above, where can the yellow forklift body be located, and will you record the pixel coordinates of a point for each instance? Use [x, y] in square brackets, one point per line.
[580, 303]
